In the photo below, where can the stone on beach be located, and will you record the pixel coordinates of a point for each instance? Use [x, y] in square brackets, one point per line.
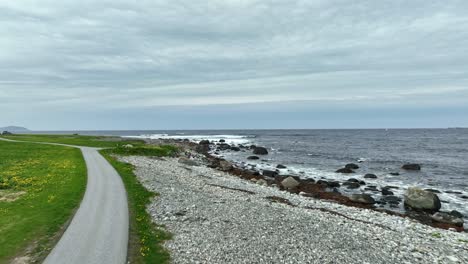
[391, 199]
[290, 183]
[370, 176]
[225, 165]
[411, 166]
[188, 161]
[362, 198]
[352, 166]
[351, 185]
[262, 182]
[269, 173]
[333, 184]
[444, 217]
[345, 170]
[260, 151]
[386, 191]
[204, 142]
[419, 199]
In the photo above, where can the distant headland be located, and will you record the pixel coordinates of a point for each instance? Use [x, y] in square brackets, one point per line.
[14, 129]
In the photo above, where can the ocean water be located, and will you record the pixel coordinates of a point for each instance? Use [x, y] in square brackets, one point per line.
[442, 153]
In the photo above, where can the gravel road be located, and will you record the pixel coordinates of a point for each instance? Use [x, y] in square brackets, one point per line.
[219, 218]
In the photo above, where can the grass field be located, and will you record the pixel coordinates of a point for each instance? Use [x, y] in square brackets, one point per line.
[78, 140]
[146, 238]
[40, 187]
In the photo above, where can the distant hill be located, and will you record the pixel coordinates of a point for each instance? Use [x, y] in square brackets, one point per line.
[14, 129]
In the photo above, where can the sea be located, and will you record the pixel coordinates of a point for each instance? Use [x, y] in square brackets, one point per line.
[317, 154]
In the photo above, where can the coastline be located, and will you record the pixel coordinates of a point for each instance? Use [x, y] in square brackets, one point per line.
[321, 189]
[217, 217]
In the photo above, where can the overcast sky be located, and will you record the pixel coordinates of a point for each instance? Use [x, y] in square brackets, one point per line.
[188, 64]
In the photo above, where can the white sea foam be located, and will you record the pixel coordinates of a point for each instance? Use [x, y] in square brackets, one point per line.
[230, 139]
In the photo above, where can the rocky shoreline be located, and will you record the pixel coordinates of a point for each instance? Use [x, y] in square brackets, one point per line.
[421, 205]
[217, 217]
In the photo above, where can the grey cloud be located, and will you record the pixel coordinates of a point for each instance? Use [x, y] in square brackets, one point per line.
[128, 55]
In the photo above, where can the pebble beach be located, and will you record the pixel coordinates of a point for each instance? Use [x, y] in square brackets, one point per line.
[216, 217]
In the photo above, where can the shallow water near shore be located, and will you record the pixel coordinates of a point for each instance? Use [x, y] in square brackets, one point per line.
[442, 153]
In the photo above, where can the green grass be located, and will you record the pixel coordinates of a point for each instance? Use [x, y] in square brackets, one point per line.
[78, 140]
[436, 235]
[49, 183]
[155, 151]
[146, 239]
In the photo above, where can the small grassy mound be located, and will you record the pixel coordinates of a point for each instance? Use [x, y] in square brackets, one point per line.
[40, 187]
[146, 239]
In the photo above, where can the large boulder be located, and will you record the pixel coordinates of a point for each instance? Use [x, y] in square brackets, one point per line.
[290, 183]
[352, 166]
[260, 151]
[345, 170]
[411, 166]
[362, 198]
[280, 166]
[419, 199]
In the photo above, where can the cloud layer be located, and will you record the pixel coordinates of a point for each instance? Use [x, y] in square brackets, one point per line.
[136, 56]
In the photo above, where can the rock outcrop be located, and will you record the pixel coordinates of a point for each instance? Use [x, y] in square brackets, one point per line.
[418, 199]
